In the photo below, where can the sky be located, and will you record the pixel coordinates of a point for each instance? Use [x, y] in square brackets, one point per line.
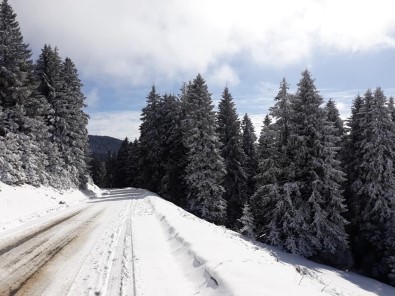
[123, 47]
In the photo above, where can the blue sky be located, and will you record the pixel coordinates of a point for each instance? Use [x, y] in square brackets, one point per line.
[122, 47]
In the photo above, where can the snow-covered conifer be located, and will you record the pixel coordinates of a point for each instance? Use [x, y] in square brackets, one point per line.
[333, 116]
[149, 142]
[266, 179]
[173, 157]
[76, 135]
[48, 72]
[121, 165]
[308, 206]
[373, 184]
[235, 180]
[205, 169]
[132, 164]
[313, 145]
[247, 222]
[21, 133]
[249, 147]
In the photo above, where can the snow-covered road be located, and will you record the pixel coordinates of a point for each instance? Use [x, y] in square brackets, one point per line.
[132, 242]
[110, 246]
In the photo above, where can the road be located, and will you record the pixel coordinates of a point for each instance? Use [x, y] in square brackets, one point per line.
[110, 246]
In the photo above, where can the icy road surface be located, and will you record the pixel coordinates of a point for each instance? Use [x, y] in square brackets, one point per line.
[110, 246]
[131, 242]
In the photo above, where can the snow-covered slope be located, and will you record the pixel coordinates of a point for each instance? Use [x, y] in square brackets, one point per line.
[21, 204]
[235, 266]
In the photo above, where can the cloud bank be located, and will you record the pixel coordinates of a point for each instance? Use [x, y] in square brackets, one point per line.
[130, 41]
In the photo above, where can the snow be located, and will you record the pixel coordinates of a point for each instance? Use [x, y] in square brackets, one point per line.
[22, 204]
[244, 267]
[132, 242]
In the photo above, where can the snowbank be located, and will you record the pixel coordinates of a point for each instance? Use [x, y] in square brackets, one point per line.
[21, 204]
[236, 266]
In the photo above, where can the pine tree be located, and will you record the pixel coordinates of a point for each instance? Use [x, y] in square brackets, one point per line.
[205, 169]
[173, 158]
[248, 142]
[16, 65]
[235, 180]
[76, 136]
[373, 184]
[98, 171]
[48, 72]
[150, 148]
[247, 222]
[132, 164]
[19, 132]
[305, 210]
[351, 158]
[282, 113]
[333, 116]
[111, 165]
[391, 108]
[266, 180]
[374, 187]
[120, 180]
[321, 204]
[274, 208]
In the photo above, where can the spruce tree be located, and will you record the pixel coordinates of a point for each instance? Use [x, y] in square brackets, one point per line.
[373, 184]
[266, 194]
[132, 164]
[247, 222]
[282, 113]
[205, 169]
[20, 132]
[48, 72]
[111, 166]
[76, 136]
[98, 171]
[235, 180]
[248, 143]
[173, 159]
[274, 203]
[15, 60]
[305, 210]
[150, 150]
[333, 116]
[352, 140]
[120, 180]
[313, 145]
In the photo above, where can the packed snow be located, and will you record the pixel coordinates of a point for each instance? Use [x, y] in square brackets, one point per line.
[21, 204]
[132, 242]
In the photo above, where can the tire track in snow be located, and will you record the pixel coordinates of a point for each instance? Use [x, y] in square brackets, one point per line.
[122, 273]
[21, 267]
[16, 243]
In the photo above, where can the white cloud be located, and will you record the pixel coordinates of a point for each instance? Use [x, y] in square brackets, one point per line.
[93, 97]
[135, 41]
[115, 124]
[223, 75]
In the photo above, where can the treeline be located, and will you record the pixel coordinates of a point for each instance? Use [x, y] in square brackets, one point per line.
[43, 135]
[310, 185]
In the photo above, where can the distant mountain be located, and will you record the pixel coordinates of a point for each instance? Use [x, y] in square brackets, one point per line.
[101, 145]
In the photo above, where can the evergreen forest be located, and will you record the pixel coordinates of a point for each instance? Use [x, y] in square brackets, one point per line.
[310, 184]
[43, 134]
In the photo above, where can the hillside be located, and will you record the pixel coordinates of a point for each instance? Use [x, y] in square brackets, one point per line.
[101, 145]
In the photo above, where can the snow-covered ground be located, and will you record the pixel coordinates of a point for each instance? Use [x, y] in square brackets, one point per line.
[26, 203]
[132, 242]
